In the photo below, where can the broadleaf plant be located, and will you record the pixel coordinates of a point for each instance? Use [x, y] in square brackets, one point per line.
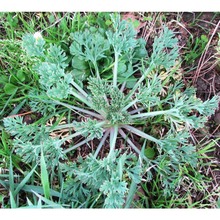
[110, 110]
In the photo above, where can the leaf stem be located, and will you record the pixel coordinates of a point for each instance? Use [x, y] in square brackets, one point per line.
[99, 124]
[152, 114]
[123, 86]
[79, 89]
[129, 104]
[121, 132]
[101, 143]
[141, 133]
[81, 98]
[58, 127]
[96, 70]
[115, 71]
[113, 137]
[71, 136]
[149, 69]
[136, 110]
[77, 145]
[72, 107]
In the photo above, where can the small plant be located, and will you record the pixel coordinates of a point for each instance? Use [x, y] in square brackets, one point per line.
[108, 176]
[195, 50]
[112, 107]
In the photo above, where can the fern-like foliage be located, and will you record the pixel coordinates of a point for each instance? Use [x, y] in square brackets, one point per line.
[54, 80]
[33, 46]
[31, 139]
[89, 129]
[108, 175]
[57, 56]
[112, 109]
[91, 46]
[39, 102]
[165, 49]
[122, 38]
[149, 94]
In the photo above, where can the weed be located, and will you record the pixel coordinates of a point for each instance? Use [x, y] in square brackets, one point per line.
[111, 107]
[112, 112]
[196, 49]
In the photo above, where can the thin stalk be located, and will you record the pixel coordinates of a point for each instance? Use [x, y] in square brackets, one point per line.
[130, 104]
[96, 70]
[141, 133]
[71, 136]
[136, 111]
[58, 127]
[101, 143]
[132, 145]
[81, 98]
[115, 71]
[72, 107]
[113, 137]
[123, 86]
[149, 69]
[77, 145]
[79, 89]
[152, 114]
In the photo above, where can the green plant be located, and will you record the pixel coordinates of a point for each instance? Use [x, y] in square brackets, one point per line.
[112, 108]
[108, 176]
[195, 49]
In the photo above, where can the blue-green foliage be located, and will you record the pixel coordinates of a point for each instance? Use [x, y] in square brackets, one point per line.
[122, 38]
[106, 175]
[165, 49]
[108, 110]
[34, 47]
[89, 129]
[89, 46]
[30, 139]
[54, 80]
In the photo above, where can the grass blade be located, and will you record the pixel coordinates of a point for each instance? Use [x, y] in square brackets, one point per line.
[30, 188]
[48, 202]
[44, 176]
[11, 178]
[24, 181]
[12, 201]
[17, 108]
[131, 194]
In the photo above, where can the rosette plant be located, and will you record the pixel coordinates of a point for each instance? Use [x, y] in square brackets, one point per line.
[119, 91]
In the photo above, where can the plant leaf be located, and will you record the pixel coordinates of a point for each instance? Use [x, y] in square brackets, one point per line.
[24, 181]
[10, 88]
[44, 176]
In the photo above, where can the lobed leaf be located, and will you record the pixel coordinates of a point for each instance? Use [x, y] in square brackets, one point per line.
[165, 49]
[34, 46]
